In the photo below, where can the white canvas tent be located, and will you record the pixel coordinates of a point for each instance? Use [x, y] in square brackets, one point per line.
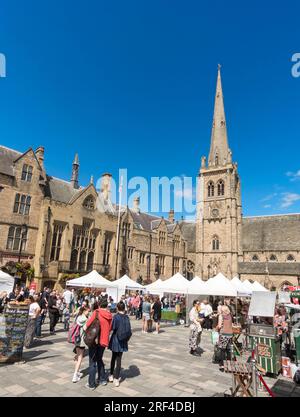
[6, 282]
[155, 287]
[123, 284]
[256, 286]
[91, 280]
[242, 291]
[127, 283]
[220, 286]
[247, 284]
[197, 286]
[176, 284]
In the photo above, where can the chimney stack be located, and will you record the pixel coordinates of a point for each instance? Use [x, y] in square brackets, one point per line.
[105, 186]
[40, 155]
[171, 216]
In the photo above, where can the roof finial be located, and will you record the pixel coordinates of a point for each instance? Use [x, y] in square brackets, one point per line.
[92, 179]
[219, 67]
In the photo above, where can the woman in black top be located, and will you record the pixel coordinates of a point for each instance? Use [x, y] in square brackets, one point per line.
[156, 312]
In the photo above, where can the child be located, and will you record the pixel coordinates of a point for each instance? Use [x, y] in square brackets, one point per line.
[66, 313]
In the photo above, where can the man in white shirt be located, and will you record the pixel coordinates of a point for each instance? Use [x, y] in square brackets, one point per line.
[67, 297]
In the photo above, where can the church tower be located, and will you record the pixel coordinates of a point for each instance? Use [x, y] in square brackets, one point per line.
[219, 211]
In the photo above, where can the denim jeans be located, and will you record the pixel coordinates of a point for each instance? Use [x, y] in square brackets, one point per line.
[38, 327]
[96, 363]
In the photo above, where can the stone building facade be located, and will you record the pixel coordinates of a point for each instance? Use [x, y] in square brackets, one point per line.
[62, 228]
[263, 248]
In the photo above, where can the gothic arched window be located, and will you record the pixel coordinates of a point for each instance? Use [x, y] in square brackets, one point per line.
[215, 243]
[290, 258]
[216, 159]
[221, 187]
[255, 258]
[89, 203]
[211, 189]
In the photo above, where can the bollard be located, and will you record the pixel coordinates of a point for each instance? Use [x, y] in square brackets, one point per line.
[232, 358]
[254, 378]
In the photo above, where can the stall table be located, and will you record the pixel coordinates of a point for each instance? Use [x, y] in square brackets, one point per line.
[242, 375]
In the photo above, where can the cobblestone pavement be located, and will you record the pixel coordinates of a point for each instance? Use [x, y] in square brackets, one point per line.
[156, 365]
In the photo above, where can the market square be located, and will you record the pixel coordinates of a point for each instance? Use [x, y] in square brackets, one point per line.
[149, 201]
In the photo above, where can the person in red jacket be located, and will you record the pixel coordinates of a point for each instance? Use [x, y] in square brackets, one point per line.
[96, 352]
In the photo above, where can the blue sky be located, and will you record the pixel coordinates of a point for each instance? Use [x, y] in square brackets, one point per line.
[131, 85]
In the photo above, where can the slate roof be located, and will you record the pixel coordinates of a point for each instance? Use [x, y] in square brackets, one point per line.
[144, 221]
[271, 233]
[275, 268]
[60, 190]
[188, 230]
[7, 158]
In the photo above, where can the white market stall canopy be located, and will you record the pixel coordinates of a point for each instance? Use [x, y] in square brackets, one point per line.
[126, 282]
[91, 280]
[6, 282]
[247, 284]
[197, 286]
[256, 286]
[241, 289]
[220, 286]
[155, 287]
[176, 284]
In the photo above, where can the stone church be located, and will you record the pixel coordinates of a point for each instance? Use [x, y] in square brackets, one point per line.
[57, 227]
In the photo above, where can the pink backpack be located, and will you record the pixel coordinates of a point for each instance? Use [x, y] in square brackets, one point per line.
[74, 333]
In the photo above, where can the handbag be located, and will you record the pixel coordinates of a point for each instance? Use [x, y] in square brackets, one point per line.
[217, 356]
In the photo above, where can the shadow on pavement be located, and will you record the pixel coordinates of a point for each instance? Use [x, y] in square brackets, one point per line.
[131, 372]
[34, 355]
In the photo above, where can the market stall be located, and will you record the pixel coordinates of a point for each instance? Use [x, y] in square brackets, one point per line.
[92, 280]
[155, 288]
[263, 334]
[123, 284]
[256, 286]
[177, 286]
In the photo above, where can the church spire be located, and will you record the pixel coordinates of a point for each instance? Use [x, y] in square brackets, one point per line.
[219, 154]
[75, 172]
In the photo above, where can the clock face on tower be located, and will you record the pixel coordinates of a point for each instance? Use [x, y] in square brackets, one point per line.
[215, 213]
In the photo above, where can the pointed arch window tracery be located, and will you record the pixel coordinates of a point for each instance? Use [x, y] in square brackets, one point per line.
[211, 189]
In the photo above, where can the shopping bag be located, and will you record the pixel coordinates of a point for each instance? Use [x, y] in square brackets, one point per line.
[214, 337]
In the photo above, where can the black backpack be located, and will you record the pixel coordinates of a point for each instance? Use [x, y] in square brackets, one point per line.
[92, 333]
[124, 330]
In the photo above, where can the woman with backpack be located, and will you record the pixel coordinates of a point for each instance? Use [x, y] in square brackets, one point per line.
[97, 343]
[119, 342]
[78, 332]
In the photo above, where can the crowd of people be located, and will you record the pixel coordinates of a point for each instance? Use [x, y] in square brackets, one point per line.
[80, 310]
[216, 316]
